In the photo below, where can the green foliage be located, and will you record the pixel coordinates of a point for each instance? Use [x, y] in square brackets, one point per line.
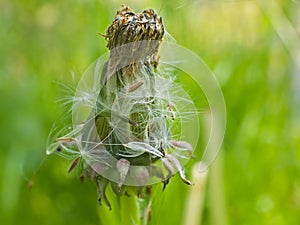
[248, 49]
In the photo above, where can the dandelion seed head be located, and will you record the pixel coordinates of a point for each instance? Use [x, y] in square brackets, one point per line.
[157, 108]
[127, 108]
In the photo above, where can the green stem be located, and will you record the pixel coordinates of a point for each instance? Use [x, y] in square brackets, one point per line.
[195, 199]
[216, 196]
[106, 215]
[129, 209]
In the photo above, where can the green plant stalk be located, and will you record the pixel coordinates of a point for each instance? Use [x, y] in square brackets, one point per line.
[107, 216]
[216, 198]
[129, 209]
[195, 198]
[115, 77]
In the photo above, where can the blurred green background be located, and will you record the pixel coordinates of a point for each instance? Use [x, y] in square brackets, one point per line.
[253, 47]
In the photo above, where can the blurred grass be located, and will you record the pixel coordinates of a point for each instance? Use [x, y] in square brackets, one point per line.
[42, 41]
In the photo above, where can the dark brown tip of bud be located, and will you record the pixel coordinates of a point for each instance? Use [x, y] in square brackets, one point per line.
[165, 182]
[82, 178]
[30, 184]
[74, 164]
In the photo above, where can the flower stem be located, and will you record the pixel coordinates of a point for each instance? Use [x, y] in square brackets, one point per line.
[107, 216]
[129, 209]
[195, 198]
